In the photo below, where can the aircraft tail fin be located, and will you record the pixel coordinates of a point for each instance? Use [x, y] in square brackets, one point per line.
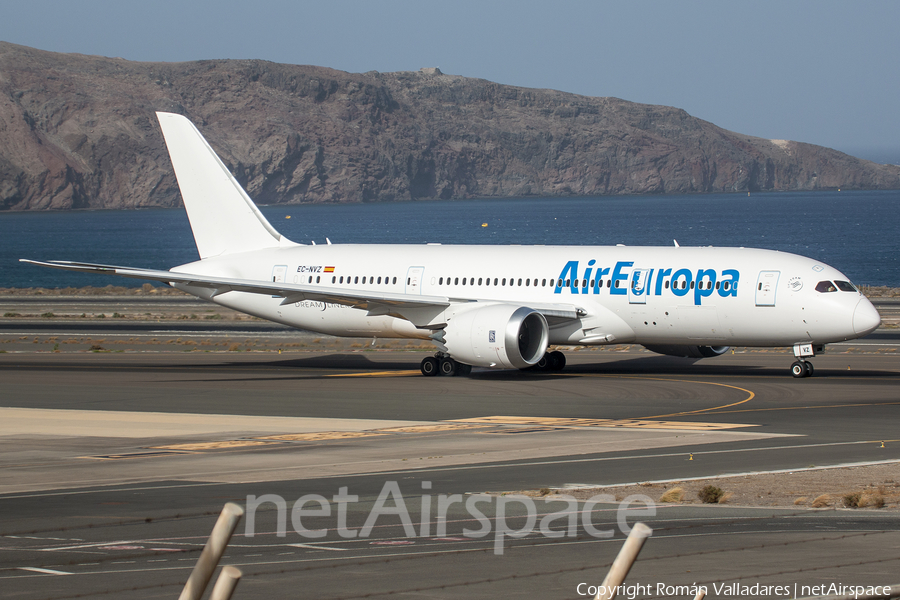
[223, 217]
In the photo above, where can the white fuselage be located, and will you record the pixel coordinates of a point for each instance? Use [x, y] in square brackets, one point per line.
[646, 295]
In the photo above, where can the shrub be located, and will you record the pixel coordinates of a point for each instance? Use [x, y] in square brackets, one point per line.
[710, 494]
[852, 500]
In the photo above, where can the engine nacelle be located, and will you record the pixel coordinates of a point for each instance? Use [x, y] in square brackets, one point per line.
[498, 335]
[689, 351]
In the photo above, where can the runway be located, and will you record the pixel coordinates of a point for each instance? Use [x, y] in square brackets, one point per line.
[114, 465]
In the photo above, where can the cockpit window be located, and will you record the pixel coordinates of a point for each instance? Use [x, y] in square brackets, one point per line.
[845, 286]
[825, 286]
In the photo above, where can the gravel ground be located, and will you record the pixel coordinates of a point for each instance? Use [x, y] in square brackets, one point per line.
[837, 487]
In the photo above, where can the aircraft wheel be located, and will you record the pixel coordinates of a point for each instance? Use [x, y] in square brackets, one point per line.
[809, 368]
[557, 360]
[448, 367]
[543, 364]
[798, 370]
[429, 366]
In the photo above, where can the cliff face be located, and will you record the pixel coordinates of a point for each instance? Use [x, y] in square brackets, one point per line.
[80, 131]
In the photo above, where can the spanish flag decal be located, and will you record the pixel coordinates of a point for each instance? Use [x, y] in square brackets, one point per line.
[329, 269]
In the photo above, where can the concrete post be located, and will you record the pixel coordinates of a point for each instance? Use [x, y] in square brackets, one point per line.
[620, 567]
[215, 548]
[225, 584]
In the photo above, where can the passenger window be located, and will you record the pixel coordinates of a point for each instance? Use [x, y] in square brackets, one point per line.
[479, 281]
[395, 280]
[379, 280]
[845, 286]
[487, 281]
[495, 281]
[725, 286]
[441, 281]
[310, 279]
[520, 281]
[825, 287]
[666, 284]
[559, 283]
[342, 279]
[568, 282]
[609, 282]
[717, 285]
[333, 278]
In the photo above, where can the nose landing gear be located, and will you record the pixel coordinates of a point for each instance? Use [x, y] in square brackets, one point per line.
[802, 367]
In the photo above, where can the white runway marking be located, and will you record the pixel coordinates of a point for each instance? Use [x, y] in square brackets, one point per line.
[46, 571]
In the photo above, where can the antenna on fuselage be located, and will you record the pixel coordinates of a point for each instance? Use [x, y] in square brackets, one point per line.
[676, 244]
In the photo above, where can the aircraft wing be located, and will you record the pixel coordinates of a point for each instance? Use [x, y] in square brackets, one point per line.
[406, 306]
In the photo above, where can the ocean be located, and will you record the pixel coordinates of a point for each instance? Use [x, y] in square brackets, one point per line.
[858, 232]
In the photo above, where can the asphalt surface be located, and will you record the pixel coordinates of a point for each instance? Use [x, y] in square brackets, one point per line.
[115, 463]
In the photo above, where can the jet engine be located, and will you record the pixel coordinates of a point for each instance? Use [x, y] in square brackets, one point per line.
[689, 351]
[497, 335]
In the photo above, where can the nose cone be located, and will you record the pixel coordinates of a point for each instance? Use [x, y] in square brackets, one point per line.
[865, 318]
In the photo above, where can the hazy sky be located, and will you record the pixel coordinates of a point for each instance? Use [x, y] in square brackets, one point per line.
[817, 71]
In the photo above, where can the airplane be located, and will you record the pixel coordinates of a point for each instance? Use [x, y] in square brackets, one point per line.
[497, 306]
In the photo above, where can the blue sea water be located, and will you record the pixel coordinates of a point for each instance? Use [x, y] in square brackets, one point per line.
[857, 232]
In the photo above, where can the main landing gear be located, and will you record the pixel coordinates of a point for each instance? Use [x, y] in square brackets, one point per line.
[802, 367]
[441, 364]
[551, 361]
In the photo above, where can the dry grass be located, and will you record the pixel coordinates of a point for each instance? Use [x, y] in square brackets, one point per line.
[676, 494]
[821, 501]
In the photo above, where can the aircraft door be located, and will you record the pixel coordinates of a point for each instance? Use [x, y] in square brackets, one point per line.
[414, 280]
[278, 273]
[766, 286]
[639, 286]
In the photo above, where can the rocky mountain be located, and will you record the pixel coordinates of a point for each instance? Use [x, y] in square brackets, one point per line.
[80, 132]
